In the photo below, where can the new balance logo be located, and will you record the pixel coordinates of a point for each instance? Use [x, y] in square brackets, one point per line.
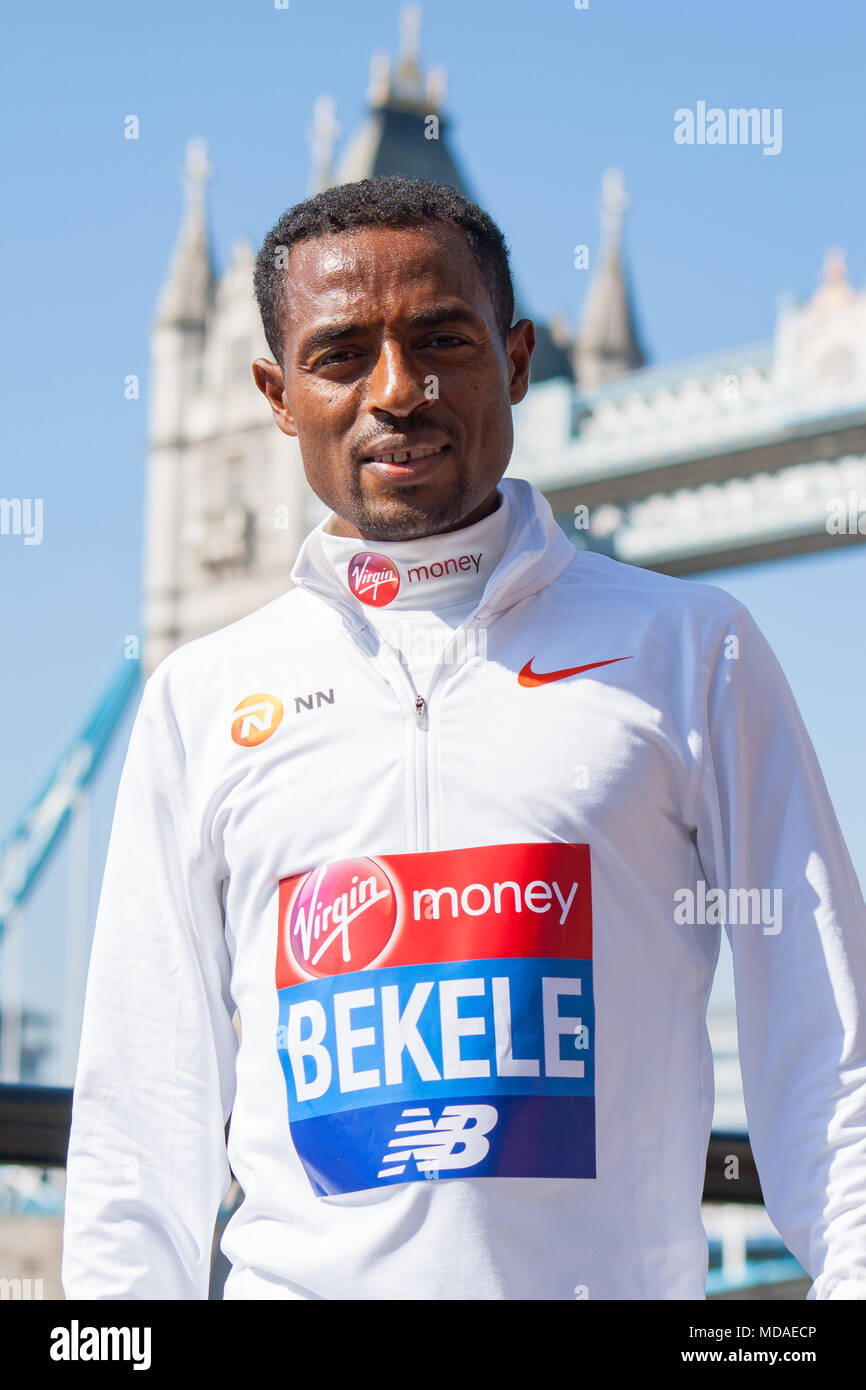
[458, 1139]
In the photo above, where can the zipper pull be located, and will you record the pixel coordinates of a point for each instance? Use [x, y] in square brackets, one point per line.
[421, 711]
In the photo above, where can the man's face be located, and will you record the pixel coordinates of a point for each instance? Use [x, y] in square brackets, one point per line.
[391, 345]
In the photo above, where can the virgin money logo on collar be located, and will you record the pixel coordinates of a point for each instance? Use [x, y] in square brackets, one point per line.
[373, 578]
[453, 565]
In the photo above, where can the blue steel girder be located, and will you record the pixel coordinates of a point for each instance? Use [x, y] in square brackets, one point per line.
[29, 846]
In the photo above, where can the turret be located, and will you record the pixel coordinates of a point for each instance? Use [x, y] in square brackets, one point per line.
[177, 347]
[608, 345]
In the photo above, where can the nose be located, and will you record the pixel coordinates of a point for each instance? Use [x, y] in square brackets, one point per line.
[394, 384]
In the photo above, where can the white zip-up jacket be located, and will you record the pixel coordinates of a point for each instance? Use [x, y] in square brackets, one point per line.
[469, 932]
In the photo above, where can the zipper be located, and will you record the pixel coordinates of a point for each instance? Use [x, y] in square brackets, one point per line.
[421, 774]
[415, 722]
[422, 743]
[418, 736]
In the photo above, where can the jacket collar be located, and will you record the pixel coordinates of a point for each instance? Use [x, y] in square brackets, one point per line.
[537, 553]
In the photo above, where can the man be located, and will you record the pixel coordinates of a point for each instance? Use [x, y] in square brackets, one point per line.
[453, 825]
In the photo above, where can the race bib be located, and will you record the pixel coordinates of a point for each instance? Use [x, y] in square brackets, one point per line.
[436, 1016]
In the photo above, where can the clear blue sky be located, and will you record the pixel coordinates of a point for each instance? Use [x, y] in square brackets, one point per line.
[543, 98]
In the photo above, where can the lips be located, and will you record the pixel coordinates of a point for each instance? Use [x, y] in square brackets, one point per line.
[407, 465]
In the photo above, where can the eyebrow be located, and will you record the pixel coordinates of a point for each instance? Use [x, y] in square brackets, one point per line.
[425, 318]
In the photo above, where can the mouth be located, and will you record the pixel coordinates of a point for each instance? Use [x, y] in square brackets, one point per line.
[406, 463]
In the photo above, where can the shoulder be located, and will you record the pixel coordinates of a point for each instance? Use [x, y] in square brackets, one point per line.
[636, 591]
[237, 659]
[688, 624]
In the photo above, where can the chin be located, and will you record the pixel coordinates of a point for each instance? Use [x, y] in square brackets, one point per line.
[404, 520]
[408, 515]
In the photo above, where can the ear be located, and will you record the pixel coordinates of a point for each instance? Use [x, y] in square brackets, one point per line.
[269, 379]
[521, 345]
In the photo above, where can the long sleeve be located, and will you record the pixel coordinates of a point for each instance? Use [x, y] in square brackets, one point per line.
[764, 822]
[147, 1166]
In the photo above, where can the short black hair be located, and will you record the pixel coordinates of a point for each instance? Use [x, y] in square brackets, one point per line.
[389, 200]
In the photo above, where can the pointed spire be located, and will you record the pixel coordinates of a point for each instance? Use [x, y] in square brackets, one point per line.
[186, 293]
[404, 83]
[380, 79]
[408, 83]
[394, 138]
[834, 291]
[322, 138]
[437, 88]
[614, 203]
[608, 345]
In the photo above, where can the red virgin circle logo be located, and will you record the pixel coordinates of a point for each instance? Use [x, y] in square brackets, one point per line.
[373, 578]
[342, 918]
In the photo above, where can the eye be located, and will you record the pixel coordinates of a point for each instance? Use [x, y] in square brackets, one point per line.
[445, 337]
[336, 356]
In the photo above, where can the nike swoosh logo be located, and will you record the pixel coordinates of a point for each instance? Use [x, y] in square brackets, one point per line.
[530, 678]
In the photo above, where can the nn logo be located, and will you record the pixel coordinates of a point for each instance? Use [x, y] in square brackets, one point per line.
[255, 719]
[306, 701]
